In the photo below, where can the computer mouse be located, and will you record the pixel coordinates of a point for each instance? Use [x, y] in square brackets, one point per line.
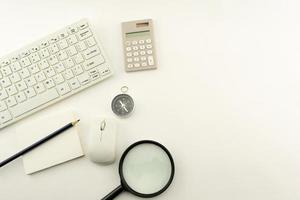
[101, 144]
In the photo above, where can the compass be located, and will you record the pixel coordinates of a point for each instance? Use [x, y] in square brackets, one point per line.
[123, 104]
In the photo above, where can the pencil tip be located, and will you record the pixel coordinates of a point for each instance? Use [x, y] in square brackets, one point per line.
[75, 122]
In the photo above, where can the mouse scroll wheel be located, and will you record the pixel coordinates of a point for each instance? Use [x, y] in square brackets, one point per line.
[103, 125]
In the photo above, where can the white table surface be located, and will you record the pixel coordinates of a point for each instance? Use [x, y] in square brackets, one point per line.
[224, 99]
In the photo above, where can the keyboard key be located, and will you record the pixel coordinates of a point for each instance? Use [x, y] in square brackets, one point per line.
[77, 70]
[143, 58]
[130, 65]
[148, 41]
[63, 44]
[90, 41]
[63, 88]
[11, 101]
[44, 53]
[89, 64]
[15, 66]
[21, 85]
[84, 78]
[69, 63]
[49, 83]
[82, 25]
[39, 88]
[40, 76]
[53, 49]
[5, 82]
[49, 72]
[34, 102]
[2, 106]
[59, 68]
[34, 57]
[137, 65]
[6, 71]
[72, 40]
[30, 92]
[144, 64]
[24, 73]
[78, 58]
[74, 83]
[34, 69]
[148, 46]
[53, 60]
[151, 60]
[11, 90]
[30, 81]
[5, 117]
[136, 59]
[21, 97]
[3, 94]
[58, 79]
[34, 49]
[62, 55]
[72, 51]
[44, 64]
[142, 53]
[149, 52]
[44, 44]
[91, 52]
[25, 62]
[83, 34]
[81, 46]
[68, 74]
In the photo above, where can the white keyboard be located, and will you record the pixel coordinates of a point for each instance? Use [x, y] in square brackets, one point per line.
[50, 70]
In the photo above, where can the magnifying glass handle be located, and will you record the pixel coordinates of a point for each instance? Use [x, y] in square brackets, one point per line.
[114, 193]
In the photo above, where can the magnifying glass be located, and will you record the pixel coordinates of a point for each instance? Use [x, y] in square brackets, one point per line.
[146, 170]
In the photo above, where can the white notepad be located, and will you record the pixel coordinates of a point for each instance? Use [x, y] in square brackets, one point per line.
[59, 149]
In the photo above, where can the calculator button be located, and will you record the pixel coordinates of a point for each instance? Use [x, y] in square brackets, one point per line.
[143, 58]
[127, 43]
[144, 64]
[135, 48]
[150, 60]
[129, 59]
[149, 46]
[129, 54]
[141, 41]
[136, 59]
[148, 40]
[130, 65]
[134, 42]
[149, 52]
[128, 48]
[135, 53]
[142, 47]
[137, 65]
[142, 53]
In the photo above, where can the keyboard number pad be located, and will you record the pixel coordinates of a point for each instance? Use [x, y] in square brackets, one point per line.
[139, 54]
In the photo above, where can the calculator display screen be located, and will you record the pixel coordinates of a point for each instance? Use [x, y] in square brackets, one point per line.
[138, 34]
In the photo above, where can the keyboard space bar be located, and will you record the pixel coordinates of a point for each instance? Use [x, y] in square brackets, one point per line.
[34, 102]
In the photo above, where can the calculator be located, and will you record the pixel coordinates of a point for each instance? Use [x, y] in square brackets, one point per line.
[138, 42]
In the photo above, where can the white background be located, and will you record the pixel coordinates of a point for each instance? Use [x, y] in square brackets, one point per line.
[224, 99]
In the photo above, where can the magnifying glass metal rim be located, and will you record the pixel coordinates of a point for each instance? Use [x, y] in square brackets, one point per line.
[123, 181]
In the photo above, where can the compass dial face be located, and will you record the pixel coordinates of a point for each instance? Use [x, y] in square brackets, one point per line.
[122, 105]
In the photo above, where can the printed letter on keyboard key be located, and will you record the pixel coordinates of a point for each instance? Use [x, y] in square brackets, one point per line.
[91, 52]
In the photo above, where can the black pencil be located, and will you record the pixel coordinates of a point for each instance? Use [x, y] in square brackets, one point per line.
[38, 143]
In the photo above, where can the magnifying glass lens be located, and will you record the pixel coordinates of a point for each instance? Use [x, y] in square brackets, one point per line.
[147, 168]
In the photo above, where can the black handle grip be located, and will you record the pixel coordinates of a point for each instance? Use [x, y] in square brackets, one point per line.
[114, 193]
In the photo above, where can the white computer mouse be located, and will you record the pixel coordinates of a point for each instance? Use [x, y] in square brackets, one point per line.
[101, 144]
